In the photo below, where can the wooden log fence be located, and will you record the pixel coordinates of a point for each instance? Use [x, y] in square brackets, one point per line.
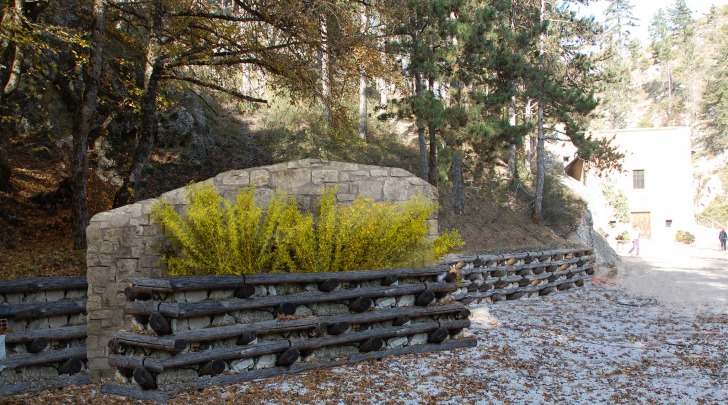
[46, 333]
[285, 323]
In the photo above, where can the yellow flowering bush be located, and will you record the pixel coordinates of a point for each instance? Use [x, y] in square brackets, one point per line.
[216, 237]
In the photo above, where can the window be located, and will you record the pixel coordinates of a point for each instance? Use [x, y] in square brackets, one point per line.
[668, 223]
[638, 179]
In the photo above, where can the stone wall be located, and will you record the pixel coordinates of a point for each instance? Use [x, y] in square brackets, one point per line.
[121, 242]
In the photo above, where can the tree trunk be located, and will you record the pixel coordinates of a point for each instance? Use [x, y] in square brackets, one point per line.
[325, 77]
[362, 107]
[433, 171]
[541, 166]
[148, 126]
[458, 186]
[363, 90]
[512, 167]
[421, 135]
[383, 90]
[12, 59]
[83, 122]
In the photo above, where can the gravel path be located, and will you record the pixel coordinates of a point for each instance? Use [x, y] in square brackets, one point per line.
[657, 334]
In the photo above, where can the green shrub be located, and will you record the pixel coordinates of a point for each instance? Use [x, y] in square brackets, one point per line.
[623, 236]
[684, 237]
[215, 237]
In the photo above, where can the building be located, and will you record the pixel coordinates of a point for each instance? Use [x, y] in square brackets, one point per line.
[657, 178]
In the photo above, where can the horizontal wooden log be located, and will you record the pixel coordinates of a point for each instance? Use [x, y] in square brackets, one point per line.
[258, 374]
[45, 357]
[238, 352]
[36, 284]
[382, 333]
[203, 308]
[225, 353]
[251, 331]
[61, 381]
[275, 326]
[132, 362]
[177, 284]
[169, 344]
[134, 391]
[64, 333]
[42, 309]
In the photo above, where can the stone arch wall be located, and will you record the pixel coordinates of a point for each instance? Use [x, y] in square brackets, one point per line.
[121, 241]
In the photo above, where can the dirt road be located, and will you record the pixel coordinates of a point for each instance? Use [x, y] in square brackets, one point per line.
[693, 278]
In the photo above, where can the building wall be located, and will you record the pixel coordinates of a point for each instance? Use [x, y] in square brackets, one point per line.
[665, 156]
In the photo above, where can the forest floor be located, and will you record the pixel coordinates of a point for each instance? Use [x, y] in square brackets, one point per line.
[610, 341]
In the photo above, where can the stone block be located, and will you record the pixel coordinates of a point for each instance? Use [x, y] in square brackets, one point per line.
[119, 219]
[199, 322]
[303, 311]
[196, 296]
[287, 180]
[221, 294]
[223, 320]
[278, 167]
[359, 175]
[418, 339]
[344, 176]
[326, 309]
[395, 189]
[234, 177]
[399, 172]
[40, 323]
[379, 172]
[239, 366]
[406, 301]
[92, 259]
[101, 314]
[370, 189]
[345, 198]
[386, 302]
[127, 266]
[252, 316]
[260, 178]
[93, 234]
[53, 296]
[14, 298]
[324, 176]
[396, 342]
[79, 319]
[265, 361]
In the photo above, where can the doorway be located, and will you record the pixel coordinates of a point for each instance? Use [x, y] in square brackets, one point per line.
[642, 221]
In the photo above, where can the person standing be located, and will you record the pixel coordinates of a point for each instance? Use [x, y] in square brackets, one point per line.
[722, 237]
[634, 234]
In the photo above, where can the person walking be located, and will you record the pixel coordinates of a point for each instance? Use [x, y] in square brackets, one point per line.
[634, 234]
[722, 237]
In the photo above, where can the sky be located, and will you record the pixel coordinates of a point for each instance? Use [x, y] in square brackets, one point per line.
[645, 10]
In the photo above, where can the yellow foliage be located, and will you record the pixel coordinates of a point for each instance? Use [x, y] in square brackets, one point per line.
[214, 237]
